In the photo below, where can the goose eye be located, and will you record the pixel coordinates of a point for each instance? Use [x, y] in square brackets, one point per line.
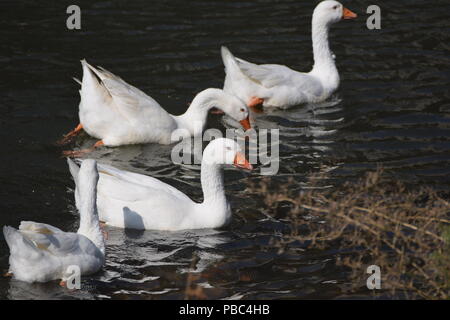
[335, 7]
[242, 110]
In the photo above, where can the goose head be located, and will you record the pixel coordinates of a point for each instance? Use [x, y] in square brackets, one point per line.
[223, 151]
[236, 108]
[229, 104]
[330, 12]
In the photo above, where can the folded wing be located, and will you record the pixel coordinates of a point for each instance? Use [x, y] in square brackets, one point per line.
[127, 100]
[129, 186]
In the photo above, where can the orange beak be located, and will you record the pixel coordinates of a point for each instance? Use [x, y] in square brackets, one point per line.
[245, 123]
[241, 162]
[347, 14]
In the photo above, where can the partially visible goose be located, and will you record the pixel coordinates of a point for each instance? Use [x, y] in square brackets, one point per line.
[118, 114]
[41, 252]
[273, 85]
[135, 201]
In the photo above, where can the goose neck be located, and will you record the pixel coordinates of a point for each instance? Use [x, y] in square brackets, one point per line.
[323, 57]
[89, 220]
[215, 210]
[212, 183]
[196, 115]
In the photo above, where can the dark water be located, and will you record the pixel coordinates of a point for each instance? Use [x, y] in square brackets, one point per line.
[392, 109]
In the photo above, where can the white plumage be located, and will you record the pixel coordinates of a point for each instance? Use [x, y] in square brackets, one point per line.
[281, 87]
[40, 252]
[131, 200]
[118, 113]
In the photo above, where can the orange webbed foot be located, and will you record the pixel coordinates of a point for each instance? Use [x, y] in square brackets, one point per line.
[75, 153]
[82, 152]
[70, 136]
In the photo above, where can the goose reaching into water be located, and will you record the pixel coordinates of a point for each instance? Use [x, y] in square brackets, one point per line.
[273, 85]
[41, 253]
[131, 200]
[118, 114]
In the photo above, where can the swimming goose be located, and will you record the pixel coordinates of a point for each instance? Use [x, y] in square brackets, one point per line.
[41, 252]
[272, 85]
[135, 201]
[118, 113]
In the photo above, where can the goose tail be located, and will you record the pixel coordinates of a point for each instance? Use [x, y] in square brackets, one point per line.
[18, 244]
[92, 87]
[229, 60]
[77, 81]
[89, 69]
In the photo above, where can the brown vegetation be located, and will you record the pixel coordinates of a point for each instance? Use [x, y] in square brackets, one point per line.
[405, 231]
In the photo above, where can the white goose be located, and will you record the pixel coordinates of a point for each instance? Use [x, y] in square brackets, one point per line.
[272, 85]
[118, 114]
[135, 201]
[41, 253]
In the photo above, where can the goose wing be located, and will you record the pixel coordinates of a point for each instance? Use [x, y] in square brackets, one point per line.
[268, 75]
[129, 186]
[50, 239]
[127, 100]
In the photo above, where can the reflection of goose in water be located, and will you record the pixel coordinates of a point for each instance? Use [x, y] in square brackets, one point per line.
[137, 256]
[156, 160]
[149, 159]
[305, 132]
[19, 290]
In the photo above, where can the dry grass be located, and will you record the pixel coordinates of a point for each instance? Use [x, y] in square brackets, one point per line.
[379, 221]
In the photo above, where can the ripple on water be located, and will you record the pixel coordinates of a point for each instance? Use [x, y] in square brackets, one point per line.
[392, 110]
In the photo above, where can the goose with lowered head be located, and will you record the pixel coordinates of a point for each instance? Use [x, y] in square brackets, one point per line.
[41, 252]
[273, 85]
[135, 201]
[117, 113]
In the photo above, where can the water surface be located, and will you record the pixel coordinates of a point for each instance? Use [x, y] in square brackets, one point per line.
[392, 110]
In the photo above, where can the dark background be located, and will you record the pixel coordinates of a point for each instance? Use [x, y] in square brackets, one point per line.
[392, 110]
